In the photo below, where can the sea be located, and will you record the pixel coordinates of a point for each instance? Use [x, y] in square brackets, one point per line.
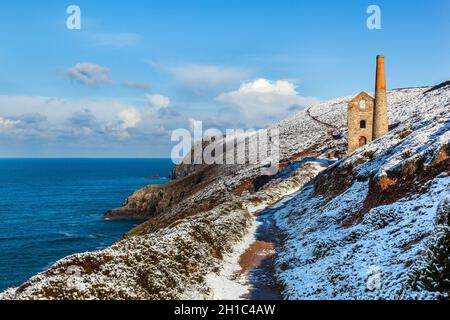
[52, 208]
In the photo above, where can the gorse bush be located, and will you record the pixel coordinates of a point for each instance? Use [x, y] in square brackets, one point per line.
[433, 270]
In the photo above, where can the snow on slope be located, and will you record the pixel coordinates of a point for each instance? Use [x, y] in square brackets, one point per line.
[363, 229]
[193, 259]
[172, 262]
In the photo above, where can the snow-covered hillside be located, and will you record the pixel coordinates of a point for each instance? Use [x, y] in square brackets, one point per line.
[375, 225]
[379, 212]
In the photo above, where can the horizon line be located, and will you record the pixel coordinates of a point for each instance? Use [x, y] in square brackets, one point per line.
[13, 157]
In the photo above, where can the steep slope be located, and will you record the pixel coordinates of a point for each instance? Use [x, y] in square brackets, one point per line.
[375, 225]
[184, 260]
[201, 219]
[317, 131]
[208, 186]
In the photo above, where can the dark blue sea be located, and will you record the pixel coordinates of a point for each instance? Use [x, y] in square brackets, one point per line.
[51, 208]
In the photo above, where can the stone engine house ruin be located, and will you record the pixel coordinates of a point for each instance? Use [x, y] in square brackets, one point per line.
[360, 121]
[368, 116]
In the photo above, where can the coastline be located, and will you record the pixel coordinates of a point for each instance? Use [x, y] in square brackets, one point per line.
[207, 249]
[51, 208]
[196, 247]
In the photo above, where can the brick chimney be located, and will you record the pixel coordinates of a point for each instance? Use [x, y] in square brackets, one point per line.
[380, 115]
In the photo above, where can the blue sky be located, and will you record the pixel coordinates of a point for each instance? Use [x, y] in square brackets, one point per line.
[152, 66]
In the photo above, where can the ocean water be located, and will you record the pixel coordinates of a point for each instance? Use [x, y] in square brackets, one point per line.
[51, 208]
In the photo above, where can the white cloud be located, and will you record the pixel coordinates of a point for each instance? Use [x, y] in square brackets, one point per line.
[53, 126]
[26, 125]
[136, 84]
[7, 123]
[279, 87]
[202, 78]
[58, 117]
[158, 101]
[7, 126]
[129, 118]
[58, 110]
[116, 39]
[89, 73]
[261, 102]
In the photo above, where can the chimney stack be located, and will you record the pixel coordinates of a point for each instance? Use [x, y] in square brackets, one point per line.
[380, 115]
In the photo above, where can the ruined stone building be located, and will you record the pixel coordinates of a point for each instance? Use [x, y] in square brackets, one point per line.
[367, 116]
[360, 121]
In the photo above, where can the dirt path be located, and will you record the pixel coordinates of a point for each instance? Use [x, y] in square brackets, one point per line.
[259, 260]
[316, 119]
